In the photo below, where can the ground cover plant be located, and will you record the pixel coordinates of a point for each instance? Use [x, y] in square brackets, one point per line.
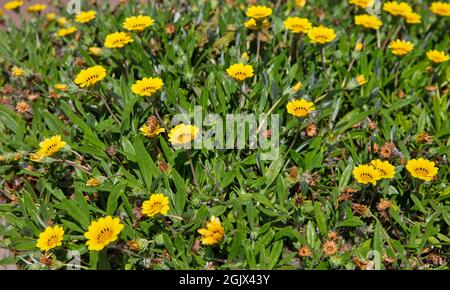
[95, 174]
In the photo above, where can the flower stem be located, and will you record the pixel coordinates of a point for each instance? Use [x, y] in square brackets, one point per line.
[258, 45]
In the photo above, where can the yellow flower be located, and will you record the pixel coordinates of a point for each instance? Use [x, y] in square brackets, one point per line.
[17, 71]
[359, 46]
[297, 24]
[157, 204]
[440, 8]
[147, 86]
[385, 169]
[245, 56]
[437, 56]
[412, 18]
[117, 40]
[361, 80]
[50, 16]
[11, 5]
[103, 232]
[36, 8]
[362, 3]
[366, 174]
[95, 50]
[297, 86]
[240, 71]
[368, 21]
[321, 34]
[183, 134]
[259, 12]
[395, 8]
[400, 47]
[48, 147]
[300, 108]
[151, 128]
[93, 182]
[86, 16]
[66, 31]
[90, 76]
[61, 87]
[62, 21]
[138, 23]
[422, 169]
[50, 238]
[213, 233]
[253, 25]
[300, 3]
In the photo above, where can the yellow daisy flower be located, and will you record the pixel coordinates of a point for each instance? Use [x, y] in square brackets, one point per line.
[95, 51]
[11, 5]
[50, 16]
[138, 23]
[36, 8]
[93, 182]
[85, 16]
[321, 34]
[183, 134]
[240, 71]
[362, 3]
[66, 31]
[366, 174]
[437, 56]
[300, 108]
[359, 46]
[297, 24]
[252, 24]
[48, 147]
[50, 238]
[62, 21]
[385, 169]
[17, 71]
[259, 12]
[147, 86]
[440, 8]
[90, 76]
[297, 86]
[151, 128]
[300, 3]
[397, 9]
[361, 80]
[422, 169]
[368, 21]
[401, 47]
[61, 87]
[103, 232]
[213, 233]
[117, 40]
[413, 18]
[157, 204]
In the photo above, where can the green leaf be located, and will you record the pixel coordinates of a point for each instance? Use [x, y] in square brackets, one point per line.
[320, 218]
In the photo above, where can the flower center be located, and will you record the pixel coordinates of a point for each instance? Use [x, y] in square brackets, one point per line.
[52, 240]
[240, 74]
[92, 78]
[119, 41]
[149, 89]
[301, 111]
[422, 171]
[104, 235]
[366, 176]
[184, 137]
